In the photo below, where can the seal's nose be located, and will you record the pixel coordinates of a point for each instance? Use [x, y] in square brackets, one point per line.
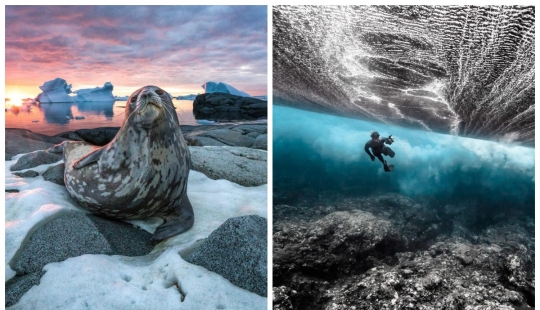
[146, 94]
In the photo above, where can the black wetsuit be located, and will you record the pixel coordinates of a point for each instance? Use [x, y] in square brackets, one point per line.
[379, 148]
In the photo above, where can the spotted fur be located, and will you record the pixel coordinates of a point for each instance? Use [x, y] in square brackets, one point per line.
[142, 172]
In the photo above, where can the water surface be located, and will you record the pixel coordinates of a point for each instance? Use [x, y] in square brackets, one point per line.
[55, 118]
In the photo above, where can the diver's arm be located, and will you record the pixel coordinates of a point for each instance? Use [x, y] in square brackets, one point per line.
[366, 148]
[383, 140]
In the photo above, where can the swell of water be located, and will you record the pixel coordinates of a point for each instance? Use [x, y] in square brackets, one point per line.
[317, 154]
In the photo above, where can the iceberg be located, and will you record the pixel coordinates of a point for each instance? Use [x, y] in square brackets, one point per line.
[220, 87]
[121, 98]
[56, 90]
[96, 94]
[187, 97]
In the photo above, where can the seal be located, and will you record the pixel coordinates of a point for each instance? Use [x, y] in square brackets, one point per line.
[141, 173]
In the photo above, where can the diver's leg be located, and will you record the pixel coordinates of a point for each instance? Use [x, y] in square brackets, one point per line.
[379, 156]
[388, 152]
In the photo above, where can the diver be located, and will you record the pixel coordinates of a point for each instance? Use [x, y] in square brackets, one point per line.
[377, 146]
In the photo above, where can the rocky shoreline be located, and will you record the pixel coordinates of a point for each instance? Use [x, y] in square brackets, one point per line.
[387, 251]
[71, 232]
[20, 141]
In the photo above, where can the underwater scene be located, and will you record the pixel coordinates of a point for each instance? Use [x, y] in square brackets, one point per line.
[454, 219]
[403, 157]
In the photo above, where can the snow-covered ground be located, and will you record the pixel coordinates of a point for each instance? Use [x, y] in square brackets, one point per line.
[159, 280]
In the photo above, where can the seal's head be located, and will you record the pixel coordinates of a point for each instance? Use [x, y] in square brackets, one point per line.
[146, 107]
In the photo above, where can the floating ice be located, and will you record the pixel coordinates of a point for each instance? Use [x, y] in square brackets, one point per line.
[56, 90]
[220, 87]
[187, 97]
[96, 94]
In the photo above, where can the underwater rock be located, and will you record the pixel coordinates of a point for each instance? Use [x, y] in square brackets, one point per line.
[325, 248]
[35, 159]
[237, 251]
[281, 299]
[244, 166]
[422, 262]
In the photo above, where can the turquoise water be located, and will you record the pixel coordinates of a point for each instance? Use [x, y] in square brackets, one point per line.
[325, 154]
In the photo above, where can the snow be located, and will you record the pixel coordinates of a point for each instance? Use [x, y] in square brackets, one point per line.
[56, 90]
[220, 87]
[118, 282]
[96, 94]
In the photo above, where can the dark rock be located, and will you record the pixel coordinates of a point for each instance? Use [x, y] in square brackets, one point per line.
[20, 284]
[261, 142]
[55, 174]
[281, 299]
[237, 251]
[244, 135]
[74, 234]
[326, 255]
[221, 106]
[20, 141]
[327, 247]
[26, 174]
[35, 159]
[69, 235]
[247, 167]
[98, 136]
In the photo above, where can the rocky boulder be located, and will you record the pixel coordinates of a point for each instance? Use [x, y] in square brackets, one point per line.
[226, 107]
[237, 250]
[245, 135]
[247, 167]
[35, 159]
[69, 235]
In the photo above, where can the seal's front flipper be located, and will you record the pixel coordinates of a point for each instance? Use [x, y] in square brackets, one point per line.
[92, 157]
[176, 223]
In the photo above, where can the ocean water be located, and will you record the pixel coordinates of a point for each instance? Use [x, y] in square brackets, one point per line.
[55, 118]
[322, 155]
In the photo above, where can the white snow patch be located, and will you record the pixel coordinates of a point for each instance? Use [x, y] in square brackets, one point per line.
[118, 282]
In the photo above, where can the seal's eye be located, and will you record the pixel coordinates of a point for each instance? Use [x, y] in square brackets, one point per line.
[133, 98]
[159, 92]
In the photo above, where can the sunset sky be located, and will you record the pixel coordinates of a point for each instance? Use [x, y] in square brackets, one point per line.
[177, 48]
